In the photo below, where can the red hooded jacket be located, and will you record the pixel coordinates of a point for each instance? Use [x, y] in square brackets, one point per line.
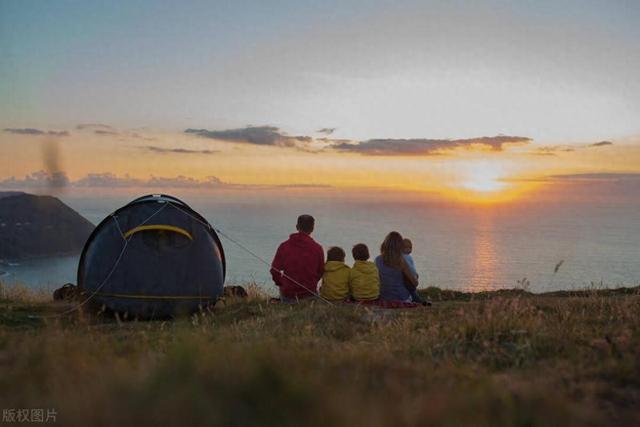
[302, 259]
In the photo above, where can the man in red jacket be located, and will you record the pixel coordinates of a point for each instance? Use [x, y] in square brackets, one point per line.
[301, 259]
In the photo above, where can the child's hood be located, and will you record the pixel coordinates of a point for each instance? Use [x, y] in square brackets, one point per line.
[365, 267]
[332, 266]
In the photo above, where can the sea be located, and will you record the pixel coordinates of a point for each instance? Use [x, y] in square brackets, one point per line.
[536, 246]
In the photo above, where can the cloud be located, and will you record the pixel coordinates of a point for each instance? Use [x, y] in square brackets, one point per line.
[33, 131]
[98, 129]
[137, 135]
[108, 130]
[25, 131]
[108, 180]
[273, 136]
[184, 182]
[551, 150]
[597, 177]
[333, 141]
[425, 147]
[42, 179]
[589, 177]
[39, 179]
[84, 126]
[162, 150]
[103, 132]
[326, 131]
[601, 144]
[257, 135]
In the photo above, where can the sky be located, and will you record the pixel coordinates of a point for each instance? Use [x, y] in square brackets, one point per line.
[482, 100]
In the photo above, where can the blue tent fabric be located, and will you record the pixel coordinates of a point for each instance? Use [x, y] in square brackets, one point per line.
[173, 261]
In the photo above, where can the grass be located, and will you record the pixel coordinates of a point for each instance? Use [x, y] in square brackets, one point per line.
[495, 358]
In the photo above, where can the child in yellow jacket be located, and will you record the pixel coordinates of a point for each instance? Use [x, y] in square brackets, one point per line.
[335, 280]
[365, 282]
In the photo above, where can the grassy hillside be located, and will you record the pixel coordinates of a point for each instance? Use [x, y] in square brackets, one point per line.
[507, 358]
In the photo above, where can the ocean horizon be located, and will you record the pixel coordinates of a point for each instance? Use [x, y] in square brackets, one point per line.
[538, 246]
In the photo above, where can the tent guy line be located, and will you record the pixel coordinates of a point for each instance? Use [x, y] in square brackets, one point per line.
[115, 265]
[256, 256]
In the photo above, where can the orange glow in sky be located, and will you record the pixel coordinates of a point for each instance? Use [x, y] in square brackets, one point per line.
[476, 175]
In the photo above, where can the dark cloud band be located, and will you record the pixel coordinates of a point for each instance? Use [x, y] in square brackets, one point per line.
[601, 144]
[425, 147]
[257, 135]
[34, 131]
[326, 131]
[273, 136]
[163, 150]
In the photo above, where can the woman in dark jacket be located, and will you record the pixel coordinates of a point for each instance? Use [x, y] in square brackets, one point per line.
[394, 272]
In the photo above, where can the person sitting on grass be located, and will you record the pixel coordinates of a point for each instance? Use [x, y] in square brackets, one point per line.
[392, 269]
[335, 280]
[364, 283]
[407, 249]
[299, 263]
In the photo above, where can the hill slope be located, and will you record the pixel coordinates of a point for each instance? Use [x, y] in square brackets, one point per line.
[34, 226]
[509, 359]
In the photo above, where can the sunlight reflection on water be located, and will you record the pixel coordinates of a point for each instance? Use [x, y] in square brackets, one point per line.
[483, 262]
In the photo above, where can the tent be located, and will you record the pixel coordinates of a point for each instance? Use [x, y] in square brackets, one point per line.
[154, 257]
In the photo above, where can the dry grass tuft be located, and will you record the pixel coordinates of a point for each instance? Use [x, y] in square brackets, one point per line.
[507, 358]
[23, 294]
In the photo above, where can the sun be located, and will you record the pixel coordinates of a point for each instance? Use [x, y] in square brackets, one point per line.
[484, 177]
[483, 181]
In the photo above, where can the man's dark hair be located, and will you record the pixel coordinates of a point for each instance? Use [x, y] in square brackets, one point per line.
[360, 252]
[336, 254]
[305, 224]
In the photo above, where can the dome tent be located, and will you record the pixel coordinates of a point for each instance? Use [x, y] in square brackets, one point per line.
[154, 257]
